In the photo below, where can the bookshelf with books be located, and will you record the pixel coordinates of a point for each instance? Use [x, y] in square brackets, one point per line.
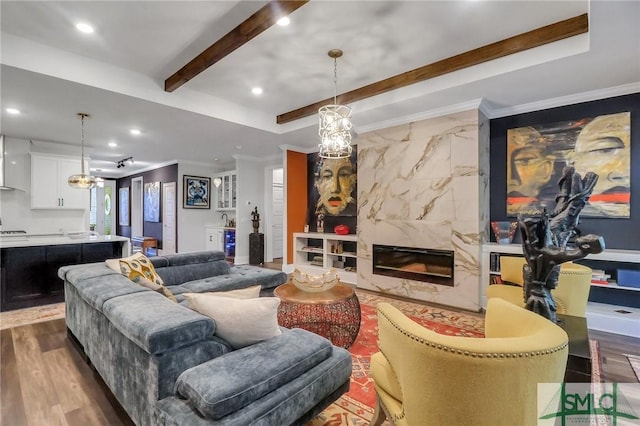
[613, 306]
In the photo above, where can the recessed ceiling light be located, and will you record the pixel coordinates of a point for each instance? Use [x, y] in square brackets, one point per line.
[257, 90]
[13, 111]
[113, 144]
[238, 146]
[83, 27]
[134, 131]
[284, 21]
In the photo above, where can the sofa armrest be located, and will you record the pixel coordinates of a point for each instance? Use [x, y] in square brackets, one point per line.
[155, 323]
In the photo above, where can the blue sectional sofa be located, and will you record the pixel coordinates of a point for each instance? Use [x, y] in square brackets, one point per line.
[165, 365]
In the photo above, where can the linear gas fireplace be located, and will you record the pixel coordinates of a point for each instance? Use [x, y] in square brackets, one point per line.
[420, 264]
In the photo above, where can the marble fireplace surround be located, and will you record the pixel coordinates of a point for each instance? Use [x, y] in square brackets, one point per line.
[425, 184]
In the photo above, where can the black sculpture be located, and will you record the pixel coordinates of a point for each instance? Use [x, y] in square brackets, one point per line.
[547, 241]
[255, 220]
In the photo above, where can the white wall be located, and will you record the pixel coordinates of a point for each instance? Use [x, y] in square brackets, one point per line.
[251, 193]
[191, 222]
[15, 206]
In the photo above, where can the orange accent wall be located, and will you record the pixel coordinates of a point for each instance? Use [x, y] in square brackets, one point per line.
[296, 197]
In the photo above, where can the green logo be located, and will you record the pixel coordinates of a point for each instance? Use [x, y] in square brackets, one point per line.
[580, 403]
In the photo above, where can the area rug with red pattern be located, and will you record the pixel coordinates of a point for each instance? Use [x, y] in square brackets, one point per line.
[356, 407]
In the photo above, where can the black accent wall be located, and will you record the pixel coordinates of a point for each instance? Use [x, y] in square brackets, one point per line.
[162, 175]
[618, 233]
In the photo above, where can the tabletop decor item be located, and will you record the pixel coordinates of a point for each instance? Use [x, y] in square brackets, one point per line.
[504, 231]
[315, 283]
[341, 229]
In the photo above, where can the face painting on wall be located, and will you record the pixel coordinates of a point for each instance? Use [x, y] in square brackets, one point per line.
[335, 182]
[536, 156]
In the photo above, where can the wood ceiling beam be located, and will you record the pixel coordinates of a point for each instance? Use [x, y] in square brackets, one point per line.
[243, 33]
[538, 37]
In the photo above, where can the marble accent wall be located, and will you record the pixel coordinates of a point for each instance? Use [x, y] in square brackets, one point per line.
[425, 184]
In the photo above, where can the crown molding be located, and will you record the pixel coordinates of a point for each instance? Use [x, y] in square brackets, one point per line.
[433, 113]
[301, 149]
[576, 98]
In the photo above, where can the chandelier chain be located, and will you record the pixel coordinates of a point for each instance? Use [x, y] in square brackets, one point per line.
[335, 81]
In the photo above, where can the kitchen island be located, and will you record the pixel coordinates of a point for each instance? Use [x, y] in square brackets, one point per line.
[29, 264]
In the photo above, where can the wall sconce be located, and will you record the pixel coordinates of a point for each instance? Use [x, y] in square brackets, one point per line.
[122, 162]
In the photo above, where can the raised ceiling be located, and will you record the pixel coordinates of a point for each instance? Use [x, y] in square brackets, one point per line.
[51, 72]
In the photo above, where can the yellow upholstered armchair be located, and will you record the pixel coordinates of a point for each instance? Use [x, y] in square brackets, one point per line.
[571, 295]
[423, 378]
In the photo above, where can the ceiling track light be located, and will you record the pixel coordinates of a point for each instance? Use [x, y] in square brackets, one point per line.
[122, 162]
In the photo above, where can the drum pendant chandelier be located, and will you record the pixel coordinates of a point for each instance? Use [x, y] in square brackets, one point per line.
[335, 121]
[82, 181]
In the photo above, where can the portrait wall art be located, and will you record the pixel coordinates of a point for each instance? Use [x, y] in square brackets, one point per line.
[537, 154]
[152, 202]
[332, 184]
[196, 192]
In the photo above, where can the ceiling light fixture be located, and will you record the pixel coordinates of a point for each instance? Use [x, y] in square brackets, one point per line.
[284, 21]
[13, 111]
[134, 131]
[257, 90]
[122, 162]
[84, 28]
[217, 181]
[113, 144]
[335, 123]
[82, 181]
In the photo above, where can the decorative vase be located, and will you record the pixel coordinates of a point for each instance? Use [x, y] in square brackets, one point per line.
[504, 231]
[313, 283]
[341, 229]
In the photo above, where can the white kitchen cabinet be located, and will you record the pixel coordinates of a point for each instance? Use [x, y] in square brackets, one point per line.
[214, 239]
[49, 187]
[226, 192]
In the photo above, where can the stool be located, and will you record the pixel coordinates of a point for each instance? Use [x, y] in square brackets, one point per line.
[145, 243]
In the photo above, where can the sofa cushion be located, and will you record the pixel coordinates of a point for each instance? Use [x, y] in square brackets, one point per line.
[176, 269]
[241, 322]
[98, 289]
[228, 383]
[156, 324]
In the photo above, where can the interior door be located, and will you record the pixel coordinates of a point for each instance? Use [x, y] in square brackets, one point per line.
[136, 207]
[109, 208]
[168, 218]
[277, 213]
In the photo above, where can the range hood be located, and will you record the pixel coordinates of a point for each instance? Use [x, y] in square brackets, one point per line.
[3, 169]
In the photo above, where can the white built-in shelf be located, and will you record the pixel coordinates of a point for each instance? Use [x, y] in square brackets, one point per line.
[599, 316]
[326, 247]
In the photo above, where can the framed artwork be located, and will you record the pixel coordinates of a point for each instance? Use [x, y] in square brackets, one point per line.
[123, 203]
[152, 202]
[536, 156]
[196, 192]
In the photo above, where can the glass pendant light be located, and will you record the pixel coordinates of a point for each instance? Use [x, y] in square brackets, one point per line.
[82, 181]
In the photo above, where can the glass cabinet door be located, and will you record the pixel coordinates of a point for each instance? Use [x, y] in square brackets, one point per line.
[226, 183]
[233, 191]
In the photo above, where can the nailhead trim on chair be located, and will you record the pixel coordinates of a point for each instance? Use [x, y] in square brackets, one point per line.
[473, 354]
[456, 351]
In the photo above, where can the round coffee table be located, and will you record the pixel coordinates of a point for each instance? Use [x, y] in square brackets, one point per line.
[334, 314]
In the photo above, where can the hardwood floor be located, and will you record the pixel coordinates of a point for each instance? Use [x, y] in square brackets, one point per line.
[45, 381]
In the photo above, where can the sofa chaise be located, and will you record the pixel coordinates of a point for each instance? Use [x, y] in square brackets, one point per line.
[164, 363]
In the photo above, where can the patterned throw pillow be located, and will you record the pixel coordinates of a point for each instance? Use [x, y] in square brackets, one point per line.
[139, 269]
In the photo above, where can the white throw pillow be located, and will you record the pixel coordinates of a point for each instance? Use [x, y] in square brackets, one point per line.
[114, 265]
[243, 293]
[241, 322]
